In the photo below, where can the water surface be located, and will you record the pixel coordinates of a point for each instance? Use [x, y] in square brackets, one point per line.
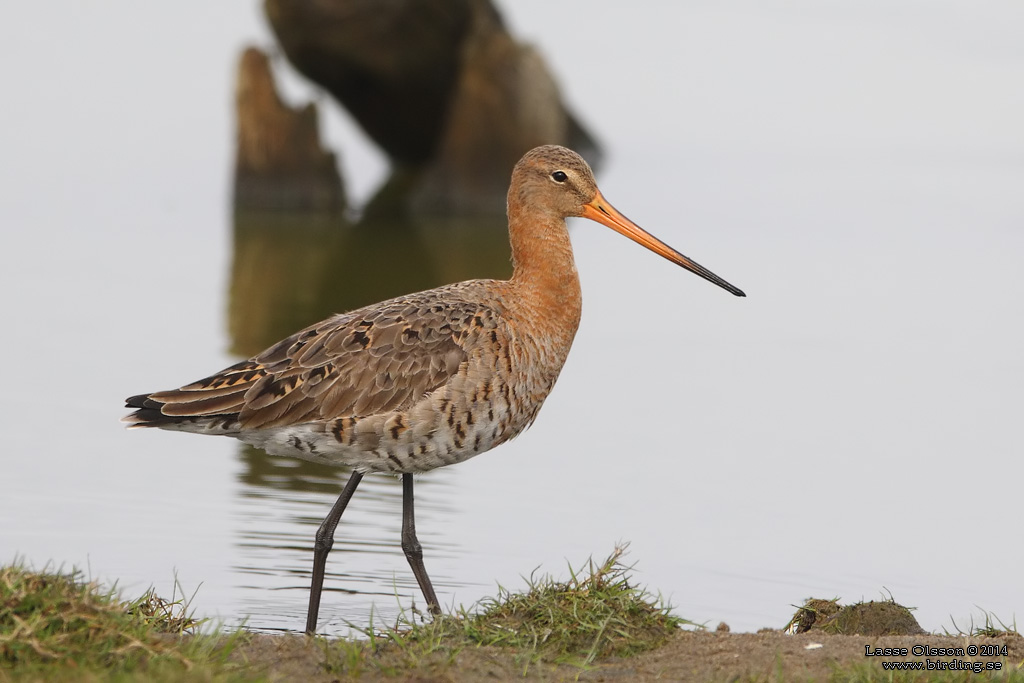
[851, 428]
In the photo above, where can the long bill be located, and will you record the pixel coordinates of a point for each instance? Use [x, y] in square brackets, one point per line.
[601, 211]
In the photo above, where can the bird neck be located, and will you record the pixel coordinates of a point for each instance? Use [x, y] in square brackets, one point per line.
[543, 268]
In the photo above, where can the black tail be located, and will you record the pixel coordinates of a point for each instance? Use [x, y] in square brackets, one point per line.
[148, 413]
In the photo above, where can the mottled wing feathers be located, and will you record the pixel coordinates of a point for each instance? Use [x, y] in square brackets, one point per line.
[369, 361]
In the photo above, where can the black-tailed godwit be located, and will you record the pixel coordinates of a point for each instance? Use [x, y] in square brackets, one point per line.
[424, 380]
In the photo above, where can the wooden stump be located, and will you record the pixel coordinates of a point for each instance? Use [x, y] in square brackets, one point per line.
[280, 164]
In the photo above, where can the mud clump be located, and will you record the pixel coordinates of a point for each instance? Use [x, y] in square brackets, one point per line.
[882, 618]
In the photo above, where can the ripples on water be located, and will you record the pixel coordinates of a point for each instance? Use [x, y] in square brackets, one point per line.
[289, 271]
[279, 505]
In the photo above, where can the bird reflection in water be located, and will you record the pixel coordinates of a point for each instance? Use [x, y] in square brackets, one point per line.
[288, 271]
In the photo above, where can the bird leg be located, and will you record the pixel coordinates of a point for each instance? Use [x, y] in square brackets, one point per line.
[322, 546]
[411, 546]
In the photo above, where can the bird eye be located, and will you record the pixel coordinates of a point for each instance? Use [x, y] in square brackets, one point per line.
[559, 176]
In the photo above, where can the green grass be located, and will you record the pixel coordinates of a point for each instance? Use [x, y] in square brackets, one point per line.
[58, 626]
[987, 629]
[599, 614]
[596, 613]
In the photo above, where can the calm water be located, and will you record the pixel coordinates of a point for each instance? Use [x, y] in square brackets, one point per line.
[852, 428]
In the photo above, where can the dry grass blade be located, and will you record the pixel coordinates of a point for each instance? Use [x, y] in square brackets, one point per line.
[168, 616]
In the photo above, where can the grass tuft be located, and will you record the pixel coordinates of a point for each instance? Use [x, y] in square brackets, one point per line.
[57, 623]
[986, 630]
[596, 613]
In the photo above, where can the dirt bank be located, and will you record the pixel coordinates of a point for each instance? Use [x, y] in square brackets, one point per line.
[689, 656]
